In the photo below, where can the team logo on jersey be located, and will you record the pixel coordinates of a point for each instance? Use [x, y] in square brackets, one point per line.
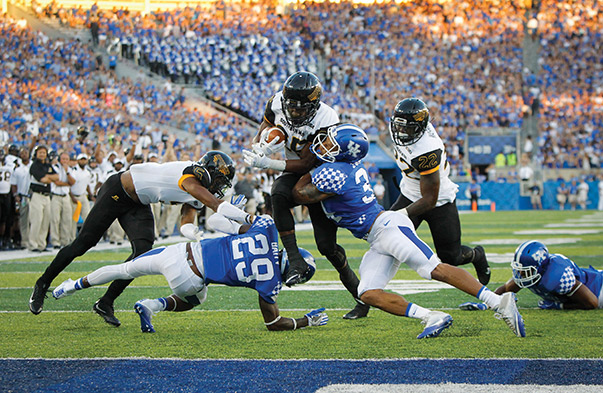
[115, 198]
[353, 149]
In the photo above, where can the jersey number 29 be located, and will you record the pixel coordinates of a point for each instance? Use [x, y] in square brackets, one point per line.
[248, 271]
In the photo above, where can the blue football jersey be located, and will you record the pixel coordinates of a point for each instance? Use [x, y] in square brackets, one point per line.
[248, 260]
[560, 275]
[354, 206]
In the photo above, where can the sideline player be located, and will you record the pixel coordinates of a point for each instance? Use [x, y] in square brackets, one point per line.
[554, 277]
[298, 111]
[250, 259]
[426, 191]
[341, 185]
[126, 196]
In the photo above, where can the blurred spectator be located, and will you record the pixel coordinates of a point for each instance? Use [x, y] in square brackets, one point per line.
[582, 197]
[379, 190]
[573, 194]
[535, 197]
[600, 207]
[562, 195]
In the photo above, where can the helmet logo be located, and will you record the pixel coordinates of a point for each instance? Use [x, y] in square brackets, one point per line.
[421, 115]
[315, 93]
[539, 256]
[353, 149]
[221, 165]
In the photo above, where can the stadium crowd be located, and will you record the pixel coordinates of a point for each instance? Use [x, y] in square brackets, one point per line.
[463, 57]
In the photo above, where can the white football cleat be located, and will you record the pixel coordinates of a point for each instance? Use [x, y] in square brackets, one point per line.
[66, 288]
[507, 311]
[146, 316]
[435, 323]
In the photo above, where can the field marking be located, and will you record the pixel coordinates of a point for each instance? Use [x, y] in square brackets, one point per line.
[558, 232]
[517, 242]
[574, 225]
[456, 388]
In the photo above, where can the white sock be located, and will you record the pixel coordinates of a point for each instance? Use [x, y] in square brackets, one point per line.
[154, 305]
[416, 311]
[489, 297]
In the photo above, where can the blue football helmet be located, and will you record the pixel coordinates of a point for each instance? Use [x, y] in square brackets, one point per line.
[341, 142]
[307, 257]
[527, 262]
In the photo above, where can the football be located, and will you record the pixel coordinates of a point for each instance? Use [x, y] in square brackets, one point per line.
[269, 134]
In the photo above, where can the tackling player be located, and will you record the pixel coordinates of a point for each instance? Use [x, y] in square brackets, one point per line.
[341, 185]
[126, 196]
[250, 259]
[555, 278]
[426, 191]
[298, 111]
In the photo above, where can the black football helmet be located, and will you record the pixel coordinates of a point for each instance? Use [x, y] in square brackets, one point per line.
[82, 131]
[13, 149]
[409, 121]
[215, 170]
[301, 98]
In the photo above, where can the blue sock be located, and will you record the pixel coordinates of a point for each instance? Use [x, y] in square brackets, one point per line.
[79, 284]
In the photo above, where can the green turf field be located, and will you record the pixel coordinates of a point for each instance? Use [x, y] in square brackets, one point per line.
[229, 324]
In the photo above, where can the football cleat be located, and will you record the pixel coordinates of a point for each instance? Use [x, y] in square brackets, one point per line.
[359, 311]
[473, 306]
[66, 288]
[435, 323]
[146, 316]
[106, 312]
[36, 301]
[507, 311]
[481, 265]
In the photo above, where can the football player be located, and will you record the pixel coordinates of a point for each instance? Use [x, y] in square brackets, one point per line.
[426, 191]
[299, 113]
[250, 259]
[126, 196]
[554, 277]
[341, 185]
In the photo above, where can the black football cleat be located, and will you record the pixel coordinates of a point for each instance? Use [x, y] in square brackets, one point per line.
[36, 301]
[481, 265]
[359, 311]
[106, 312]
[297, 272]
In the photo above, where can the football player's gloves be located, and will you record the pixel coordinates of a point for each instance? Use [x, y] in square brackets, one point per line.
[527, 261]
[473, 306]
[192, 232]
[266, 147]
[549, 305]
[238, 201]
[259, 160]
[317, 317]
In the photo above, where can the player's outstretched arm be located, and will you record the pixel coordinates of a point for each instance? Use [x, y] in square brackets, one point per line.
[509, 286]
[274, 321]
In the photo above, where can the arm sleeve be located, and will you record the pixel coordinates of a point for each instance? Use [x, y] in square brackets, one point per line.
[428, 163]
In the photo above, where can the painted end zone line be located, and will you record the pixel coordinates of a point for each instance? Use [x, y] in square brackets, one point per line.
[290, 375]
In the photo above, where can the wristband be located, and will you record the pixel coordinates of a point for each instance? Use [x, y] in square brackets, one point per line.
[277, 165]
